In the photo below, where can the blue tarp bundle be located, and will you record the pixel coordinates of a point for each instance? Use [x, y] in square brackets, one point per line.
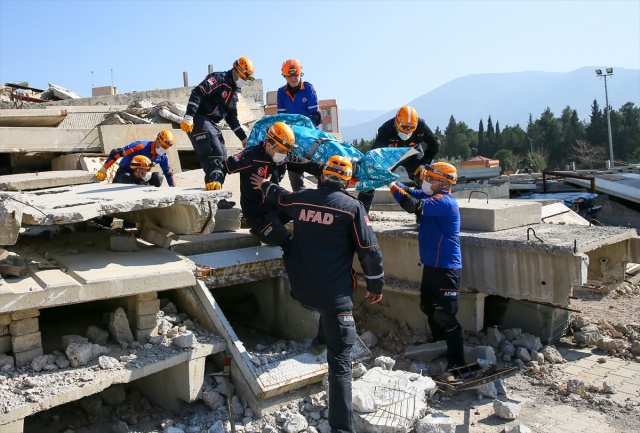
[371, 169]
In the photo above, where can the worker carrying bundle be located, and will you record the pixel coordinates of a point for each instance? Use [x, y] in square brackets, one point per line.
[371, 170]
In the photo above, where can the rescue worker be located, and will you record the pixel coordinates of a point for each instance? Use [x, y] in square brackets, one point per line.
[297, 97]
[439, 245]
[155, 150]
[329, 226]
[406, 129]
[269, 159]
[214, 99]
[140, 173]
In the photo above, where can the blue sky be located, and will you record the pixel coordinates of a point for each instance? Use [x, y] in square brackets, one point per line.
[366, 54]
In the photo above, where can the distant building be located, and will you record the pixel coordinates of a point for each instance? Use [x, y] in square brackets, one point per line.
[328, 111]
[104, 91]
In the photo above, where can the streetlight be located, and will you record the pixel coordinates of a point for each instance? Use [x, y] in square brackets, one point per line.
[531, 143]
[609, 72]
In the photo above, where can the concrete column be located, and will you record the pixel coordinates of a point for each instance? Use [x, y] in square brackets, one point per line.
[182, 382]
[471, 311]
[142, 311]
[26, 340]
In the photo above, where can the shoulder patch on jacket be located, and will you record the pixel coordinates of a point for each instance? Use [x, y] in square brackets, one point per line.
[212, 81]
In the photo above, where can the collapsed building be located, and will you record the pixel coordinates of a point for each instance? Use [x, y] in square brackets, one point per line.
[94, 306]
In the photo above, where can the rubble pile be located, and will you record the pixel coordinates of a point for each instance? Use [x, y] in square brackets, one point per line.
[141, 111]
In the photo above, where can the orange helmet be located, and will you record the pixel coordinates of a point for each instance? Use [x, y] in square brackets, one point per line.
[142, 162]
[282, 135]
[441, 170]
[165, 138]
[407, 119]
[339, 166]
[244, 68]
[291, 67]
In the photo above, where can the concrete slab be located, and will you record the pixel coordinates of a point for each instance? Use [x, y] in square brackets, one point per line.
[35, 139]
[494, 215]
[559, 213]
[44, 179]
[180, 210]
[539, 263]
[47, 117]
[615, 185]
[86, 270]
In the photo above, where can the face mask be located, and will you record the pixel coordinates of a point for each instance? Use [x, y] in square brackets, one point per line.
[426, 187]
[147, 176]
[403, 136]
[161, 150]
[240, 82]
[279, 157]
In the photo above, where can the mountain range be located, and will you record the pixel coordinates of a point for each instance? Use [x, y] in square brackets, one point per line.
[508, 98]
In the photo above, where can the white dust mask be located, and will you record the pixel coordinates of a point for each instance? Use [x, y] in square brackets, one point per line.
[161, 150]
[278, 157]
[403, 136]
[426, 187]
[240, 82]
[147, 176]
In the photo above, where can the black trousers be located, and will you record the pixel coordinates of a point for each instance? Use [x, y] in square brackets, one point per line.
[439, 301]
[337, 329]
[270, 229]
[208, 143]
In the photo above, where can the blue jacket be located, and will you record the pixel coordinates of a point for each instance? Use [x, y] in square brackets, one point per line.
[216, 98]
[304, 101]
[145, 148]
[439, 233]
[330, 227]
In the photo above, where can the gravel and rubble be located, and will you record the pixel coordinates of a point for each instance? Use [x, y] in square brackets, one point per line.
[541, 397]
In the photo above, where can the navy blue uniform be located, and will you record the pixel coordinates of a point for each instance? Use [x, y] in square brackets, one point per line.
[126, 154]
[423, 140]
[329, 227]
[264, 218]
[214, 99]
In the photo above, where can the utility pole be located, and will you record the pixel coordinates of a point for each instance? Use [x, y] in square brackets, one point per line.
[609, 72]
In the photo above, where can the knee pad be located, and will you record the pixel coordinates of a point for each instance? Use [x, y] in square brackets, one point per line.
[446, 320]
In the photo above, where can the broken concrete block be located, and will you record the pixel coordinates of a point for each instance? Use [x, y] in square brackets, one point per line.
[97, 335]
[157, 235]
[69, 339]
[227, 220]
[79, 353]
[119, 327]
[185, 340]
[146, 334]
[436, 423]
[22, 343]
[123, 243]
[506, 410]
[6, 359]
[24, 359]
[25, 314]
[426, 352]
[23, 327]
[12, 205]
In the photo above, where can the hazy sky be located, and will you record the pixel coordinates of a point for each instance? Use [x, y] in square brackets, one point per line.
[366, 54]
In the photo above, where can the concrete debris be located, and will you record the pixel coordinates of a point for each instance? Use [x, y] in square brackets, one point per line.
[506, 410]
[436, 423]
[520, 428]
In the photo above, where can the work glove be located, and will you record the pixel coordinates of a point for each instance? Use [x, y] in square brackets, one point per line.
[101, 174]
[187, 124]
[213, 186]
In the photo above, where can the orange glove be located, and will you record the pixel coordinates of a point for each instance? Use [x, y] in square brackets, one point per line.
[187, 124]
[213, 186]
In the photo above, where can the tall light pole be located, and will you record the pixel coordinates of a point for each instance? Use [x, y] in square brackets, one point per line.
[531, 143]
[608, 72]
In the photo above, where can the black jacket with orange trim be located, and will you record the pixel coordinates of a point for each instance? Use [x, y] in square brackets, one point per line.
[216, 98]
[255, 159]
[329, 227]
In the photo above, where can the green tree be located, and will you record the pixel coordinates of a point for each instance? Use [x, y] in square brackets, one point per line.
[572, 128]
[515, 139]
[551, 138]
[490, 138]
[508, 161]
[481, 146]
[627, 134]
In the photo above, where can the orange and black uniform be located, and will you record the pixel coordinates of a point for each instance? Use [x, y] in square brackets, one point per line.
[264, 218]
[214, 99]
[330, 227]
[423, 140]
